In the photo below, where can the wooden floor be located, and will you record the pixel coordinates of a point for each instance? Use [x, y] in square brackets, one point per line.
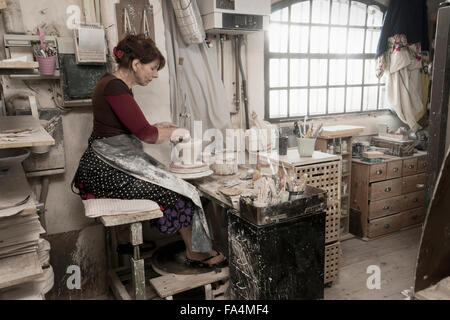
[396, 256]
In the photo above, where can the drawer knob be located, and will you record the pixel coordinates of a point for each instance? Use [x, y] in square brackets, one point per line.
[420, 186]
[386, 226]
[395, 169]
[379, 172]
[388, 189]
[411, 166]
[386, 208]
[414, 217]
[416, 200]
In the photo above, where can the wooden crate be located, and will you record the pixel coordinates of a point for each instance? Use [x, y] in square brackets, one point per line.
[331, 272]
[326, 176]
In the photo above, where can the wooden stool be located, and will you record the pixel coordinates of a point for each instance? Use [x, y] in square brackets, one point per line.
[137, 263]
[169, 285]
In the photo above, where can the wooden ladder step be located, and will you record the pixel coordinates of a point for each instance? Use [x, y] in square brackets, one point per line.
[171, 284]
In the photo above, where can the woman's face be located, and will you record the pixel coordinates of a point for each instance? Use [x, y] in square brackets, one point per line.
[145, 72]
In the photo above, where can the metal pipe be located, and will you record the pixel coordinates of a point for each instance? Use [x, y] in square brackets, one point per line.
[237, 100]
[244, 83]
[221, 56]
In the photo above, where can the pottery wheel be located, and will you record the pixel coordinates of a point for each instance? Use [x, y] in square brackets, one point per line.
[170, 259]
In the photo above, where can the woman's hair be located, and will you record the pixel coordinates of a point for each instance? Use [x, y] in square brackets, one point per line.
[137, 47]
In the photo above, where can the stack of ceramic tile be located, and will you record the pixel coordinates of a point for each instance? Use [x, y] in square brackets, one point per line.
[19, 235]
[19, 224]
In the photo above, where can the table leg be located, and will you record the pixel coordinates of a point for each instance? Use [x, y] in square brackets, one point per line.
[137, 264]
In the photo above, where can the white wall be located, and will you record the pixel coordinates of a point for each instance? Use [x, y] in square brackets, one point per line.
[64, 209]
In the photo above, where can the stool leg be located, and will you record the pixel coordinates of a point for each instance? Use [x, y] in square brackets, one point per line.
[137, 264]
[108, 248]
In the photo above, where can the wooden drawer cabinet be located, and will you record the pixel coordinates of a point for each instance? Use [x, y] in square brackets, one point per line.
[387, 196]
[378, 172]
[386, 207]
[395, 222]
[409, 167]
[394, 169]
[421, 164]
[385, 189]
[413, 183]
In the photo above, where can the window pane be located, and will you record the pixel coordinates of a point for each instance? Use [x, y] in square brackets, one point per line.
[320, 11]
[299, 39]
[299, 102]
[278, 37]
[374, 17]
[338, 40]
[336, 100]
[356, 40]
[354, 71]
[353, 99]
[319, 39]
[372, 37]
[278, 72]
[317, 101]
[278, 103]
[357, 14]
[339, 12]
[299, 72]
[280, 15]
[300, 12]
[381, 104]
[369, 72]
[370, 98]
[337, 71]
[319, 70]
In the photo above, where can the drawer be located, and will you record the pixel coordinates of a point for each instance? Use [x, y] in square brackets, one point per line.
[394, 169]
[422, 164]
[381, 208]
[385, 189]
[414, 200]
[377, 172]
[395, 222]
[413, 183]
[409, 167]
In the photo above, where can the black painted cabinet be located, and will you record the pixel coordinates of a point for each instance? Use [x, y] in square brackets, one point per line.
[279, 261]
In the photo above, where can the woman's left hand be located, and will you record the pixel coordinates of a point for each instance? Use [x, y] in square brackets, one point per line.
[165, 125]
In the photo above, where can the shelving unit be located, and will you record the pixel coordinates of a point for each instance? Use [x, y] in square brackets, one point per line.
[338, 141]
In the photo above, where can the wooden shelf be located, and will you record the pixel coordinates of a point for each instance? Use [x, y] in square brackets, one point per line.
[39, 137]
[36, 76]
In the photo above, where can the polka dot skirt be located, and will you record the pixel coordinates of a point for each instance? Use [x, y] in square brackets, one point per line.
[96, 179]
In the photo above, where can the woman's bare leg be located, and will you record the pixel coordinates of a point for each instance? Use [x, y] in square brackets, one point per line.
[186, 234]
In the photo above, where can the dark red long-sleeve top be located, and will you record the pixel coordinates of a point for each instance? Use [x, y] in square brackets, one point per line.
[116, 112]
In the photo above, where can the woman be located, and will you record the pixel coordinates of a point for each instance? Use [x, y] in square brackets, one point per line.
[118, 121]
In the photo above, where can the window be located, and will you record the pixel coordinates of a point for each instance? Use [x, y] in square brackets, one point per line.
[320, 58]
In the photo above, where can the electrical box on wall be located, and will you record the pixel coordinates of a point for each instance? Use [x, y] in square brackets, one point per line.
[235, 16]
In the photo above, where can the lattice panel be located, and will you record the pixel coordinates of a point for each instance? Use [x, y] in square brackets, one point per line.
[332, 224]
[331, 272]
[326, 176]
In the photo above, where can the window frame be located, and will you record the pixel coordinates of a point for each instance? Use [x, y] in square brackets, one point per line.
[328, 56]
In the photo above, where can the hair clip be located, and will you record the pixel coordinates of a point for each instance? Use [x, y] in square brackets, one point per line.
[118, 53]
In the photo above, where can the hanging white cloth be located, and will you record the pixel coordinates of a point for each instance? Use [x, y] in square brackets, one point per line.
[195, 85]
[402, 64]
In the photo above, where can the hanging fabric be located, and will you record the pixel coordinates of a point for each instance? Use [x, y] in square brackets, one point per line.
[403, 38]
[189, 21]
[196, 89]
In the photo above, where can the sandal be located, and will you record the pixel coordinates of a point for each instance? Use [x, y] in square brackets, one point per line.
[203, 263]
[129, 249]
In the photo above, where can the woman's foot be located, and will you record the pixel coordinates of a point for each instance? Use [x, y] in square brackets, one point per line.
[202, 260]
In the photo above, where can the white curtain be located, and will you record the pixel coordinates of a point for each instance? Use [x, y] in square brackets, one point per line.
[195, 85]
